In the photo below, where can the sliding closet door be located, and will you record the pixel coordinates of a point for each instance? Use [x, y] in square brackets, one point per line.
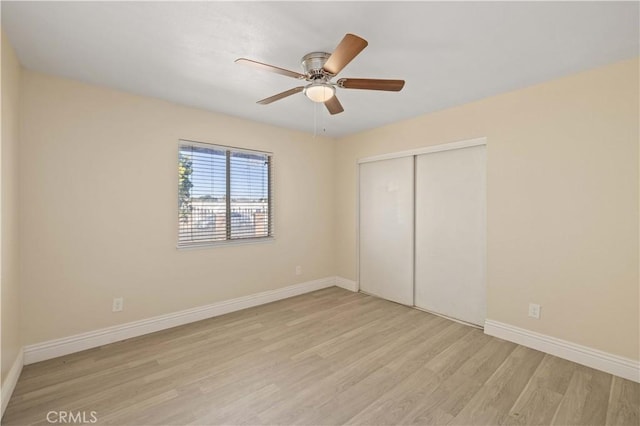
[386, 229]
[450, 265]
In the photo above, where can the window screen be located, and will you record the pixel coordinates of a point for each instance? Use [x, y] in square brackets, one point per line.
[224, 194]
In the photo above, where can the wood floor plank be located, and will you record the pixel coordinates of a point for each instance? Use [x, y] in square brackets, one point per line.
[329, 357]
[393, 406]
[624, 403]
[491, 404]
[539, 400]
[405, 364]
[596, 404]
[586, 399]
[382, 347]
[458, 387]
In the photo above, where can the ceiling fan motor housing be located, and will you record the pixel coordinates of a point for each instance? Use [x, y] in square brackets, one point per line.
[312, 64]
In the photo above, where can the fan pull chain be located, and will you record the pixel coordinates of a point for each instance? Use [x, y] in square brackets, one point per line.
[324, 122]
[315, 119]
[317, 109]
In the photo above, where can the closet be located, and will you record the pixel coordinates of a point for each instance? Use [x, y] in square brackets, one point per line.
[422, 229]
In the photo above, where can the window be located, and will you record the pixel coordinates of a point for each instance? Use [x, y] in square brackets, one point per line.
[224, 194]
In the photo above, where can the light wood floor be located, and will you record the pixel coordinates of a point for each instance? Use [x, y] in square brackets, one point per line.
[326, 358]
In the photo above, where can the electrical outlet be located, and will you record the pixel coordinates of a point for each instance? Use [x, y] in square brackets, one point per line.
[118, 304]
[298, 270]
[534, 310]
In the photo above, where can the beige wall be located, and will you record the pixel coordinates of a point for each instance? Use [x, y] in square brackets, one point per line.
[9, 291]
[98, 205]
[98, 179]
[562, 202]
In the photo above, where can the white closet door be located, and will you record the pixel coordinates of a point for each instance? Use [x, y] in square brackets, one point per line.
[451, 233]
[386, 229]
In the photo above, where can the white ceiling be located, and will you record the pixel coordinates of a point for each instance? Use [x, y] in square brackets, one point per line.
[448, 53]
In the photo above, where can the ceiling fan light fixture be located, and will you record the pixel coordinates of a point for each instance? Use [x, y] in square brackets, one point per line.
[319, 92]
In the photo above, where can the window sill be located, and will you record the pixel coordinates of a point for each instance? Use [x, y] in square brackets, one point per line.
[238, 242]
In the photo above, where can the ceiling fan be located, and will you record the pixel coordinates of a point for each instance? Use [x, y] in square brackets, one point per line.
[320, 67]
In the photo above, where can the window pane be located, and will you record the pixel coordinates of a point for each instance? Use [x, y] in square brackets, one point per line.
[202, 194]
[249, 176]
[224, 194]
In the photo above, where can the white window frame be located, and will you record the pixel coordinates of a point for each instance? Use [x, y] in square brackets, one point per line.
[229, 241]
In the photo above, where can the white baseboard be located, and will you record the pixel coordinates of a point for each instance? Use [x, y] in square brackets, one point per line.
[79, 342]
[346, 284]
[10, 382]
[614, 364]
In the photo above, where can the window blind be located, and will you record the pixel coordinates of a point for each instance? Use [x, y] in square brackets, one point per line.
[224, 194]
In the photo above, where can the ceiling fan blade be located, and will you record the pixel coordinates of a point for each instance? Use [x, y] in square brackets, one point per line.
[350, 46]
[333, 105]
[267, 67]
[371, 84]
[282, 95]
